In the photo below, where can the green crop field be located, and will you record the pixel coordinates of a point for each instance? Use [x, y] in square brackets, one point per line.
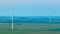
[30, 29]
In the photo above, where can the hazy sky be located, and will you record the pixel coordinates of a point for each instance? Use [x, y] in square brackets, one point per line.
[30, 7]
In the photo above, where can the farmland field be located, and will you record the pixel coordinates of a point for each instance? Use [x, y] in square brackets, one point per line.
[30, 29]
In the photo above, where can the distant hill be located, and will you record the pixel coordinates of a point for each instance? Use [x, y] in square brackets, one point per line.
[31, 19]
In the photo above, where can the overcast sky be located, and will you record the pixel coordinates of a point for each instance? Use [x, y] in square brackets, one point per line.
[29, 7]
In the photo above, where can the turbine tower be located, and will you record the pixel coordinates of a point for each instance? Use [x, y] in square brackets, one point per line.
[12, 15]
[50, 16]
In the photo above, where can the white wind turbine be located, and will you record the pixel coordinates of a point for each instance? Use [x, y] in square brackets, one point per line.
[12, 15]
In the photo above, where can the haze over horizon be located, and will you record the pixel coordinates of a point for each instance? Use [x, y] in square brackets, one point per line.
[30, 7]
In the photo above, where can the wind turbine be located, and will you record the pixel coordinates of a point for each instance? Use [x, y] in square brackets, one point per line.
[50, 17]
[12, 15]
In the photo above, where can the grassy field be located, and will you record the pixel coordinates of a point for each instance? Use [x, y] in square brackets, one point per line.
[30, 29]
